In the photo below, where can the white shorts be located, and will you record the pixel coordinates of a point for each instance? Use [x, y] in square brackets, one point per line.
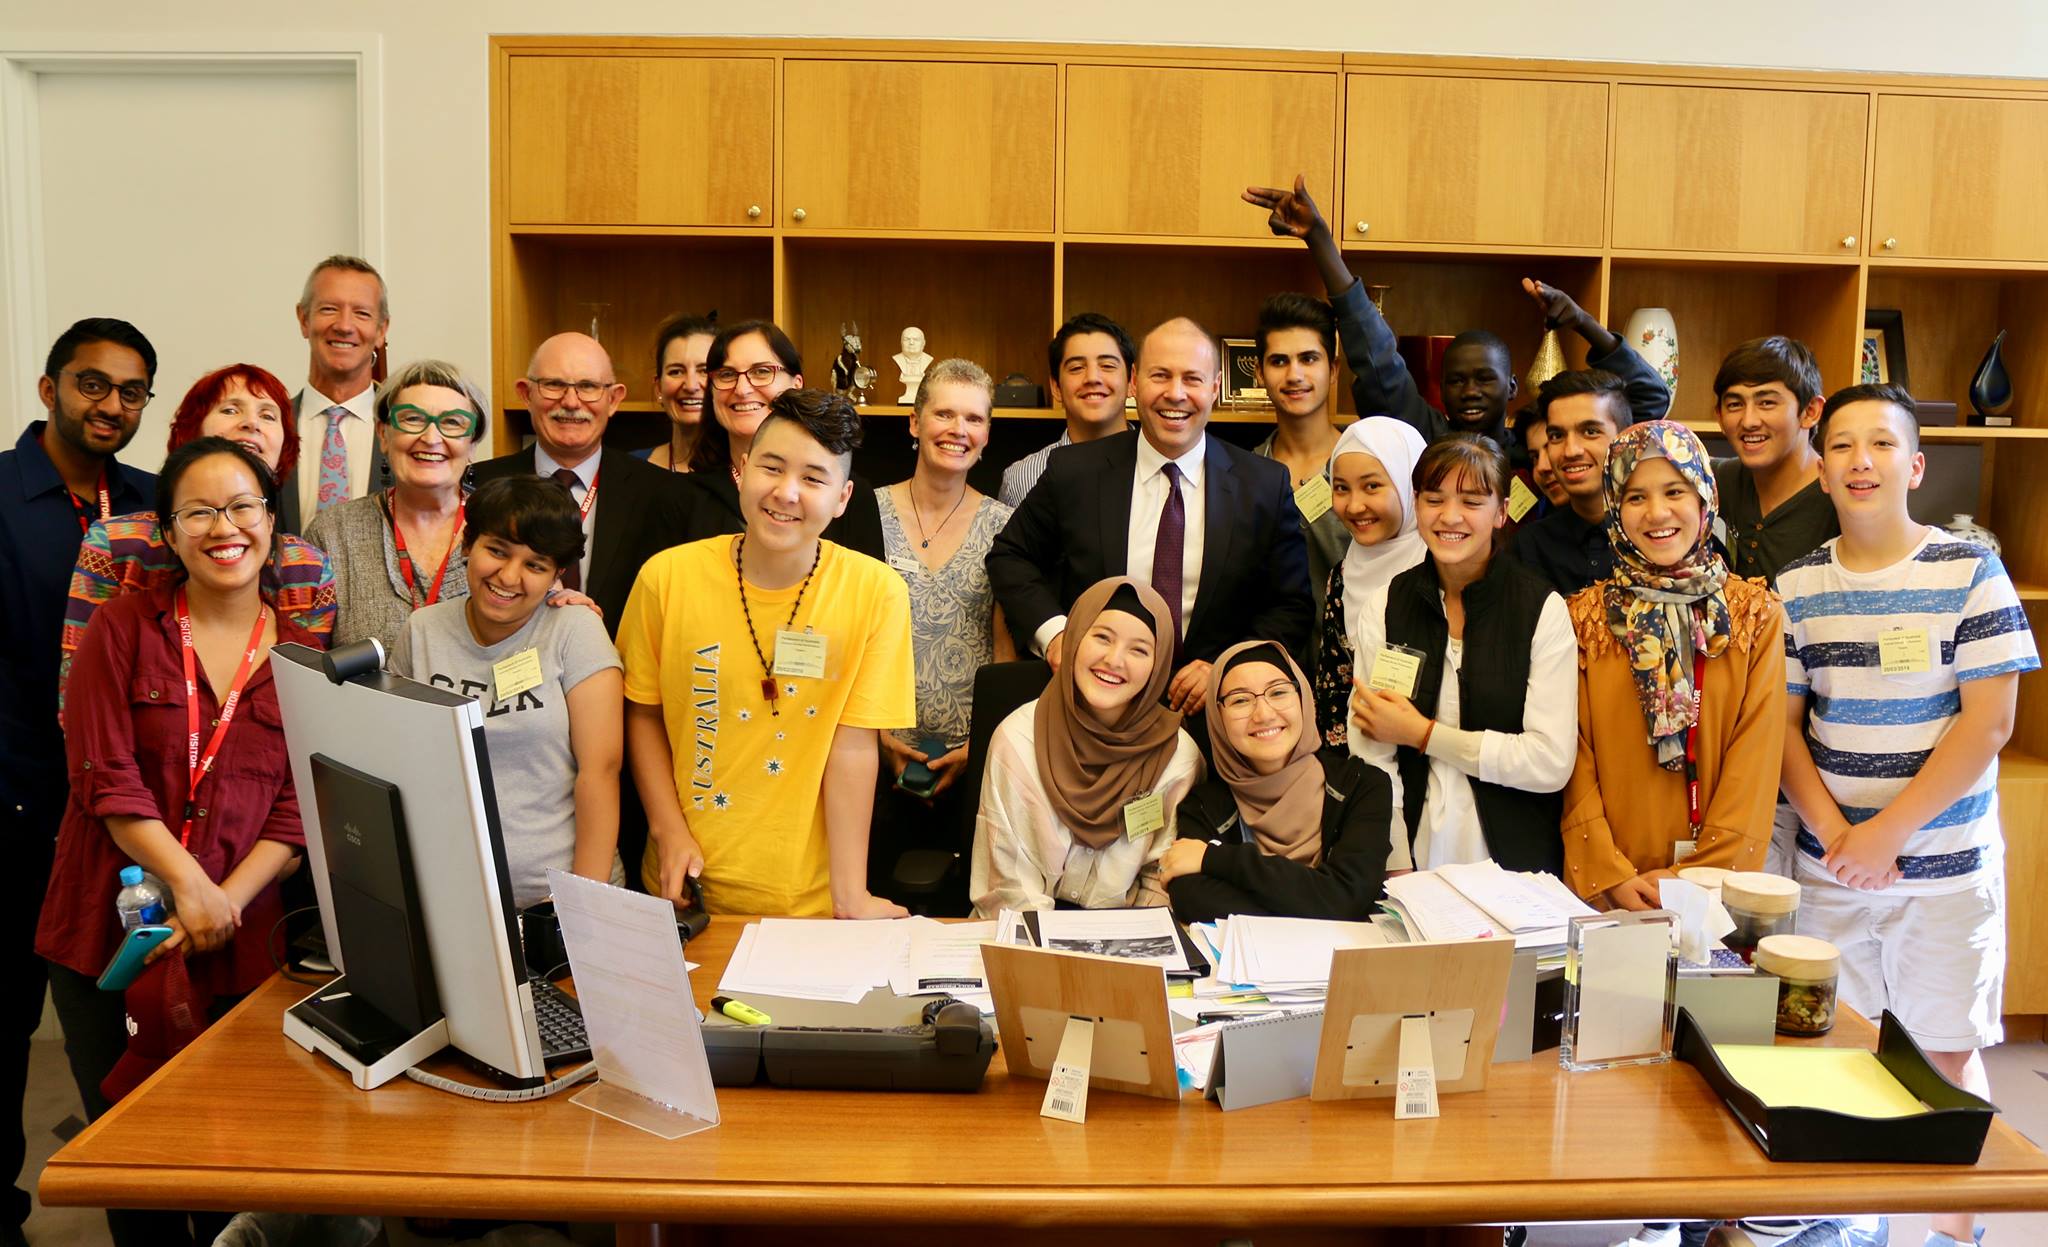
[1937, 962]
[1782, 857]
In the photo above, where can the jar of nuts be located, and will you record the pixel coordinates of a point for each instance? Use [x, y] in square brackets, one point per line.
[1807, 970]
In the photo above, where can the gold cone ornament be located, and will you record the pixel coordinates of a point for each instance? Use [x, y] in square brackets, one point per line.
[1549, 362]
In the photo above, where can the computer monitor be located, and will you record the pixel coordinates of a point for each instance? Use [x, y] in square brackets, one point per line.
[345, 717]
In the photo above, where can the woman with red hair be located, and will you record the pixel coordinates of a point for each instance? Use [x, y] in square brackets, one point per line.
[125, 553]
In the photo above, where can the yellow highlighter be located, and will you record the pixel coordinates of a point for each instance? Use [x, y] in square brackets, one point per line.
[739, 1011]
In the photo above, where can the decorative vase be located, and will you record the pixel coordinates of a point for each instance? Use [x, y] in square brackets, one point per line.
[1548, 363]
[1378, 295]
[1654, 336]
[1991, 387]
[1967, 528]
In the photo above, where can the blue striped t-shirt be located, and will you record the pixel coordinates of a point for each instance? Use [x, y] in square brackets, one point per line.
[1869, 732]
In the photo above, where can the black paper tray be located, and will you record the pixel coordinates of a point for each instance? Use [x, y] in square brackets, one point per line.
[1950, 1133]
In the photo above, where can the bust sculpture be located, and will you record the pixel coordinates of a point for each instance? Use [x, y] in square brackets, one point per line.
[911, 363]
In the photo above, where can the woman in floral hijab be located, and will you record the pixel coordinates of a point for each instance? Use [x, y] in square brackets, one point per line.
[1681, 686]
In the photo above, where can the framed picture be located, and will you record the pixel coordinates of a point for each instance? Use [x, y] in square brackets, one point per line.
[1883, 355]
[1241, 372]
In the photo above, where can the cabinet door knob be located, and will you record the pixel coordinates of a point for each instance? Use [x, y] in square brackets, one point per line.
[753, 212]
[799, 214]
[1891, 244]
[1362, 227]
[1848, 240]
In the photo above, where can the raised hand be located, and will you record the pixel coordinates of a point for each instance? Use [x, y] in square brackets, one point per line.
[1294, 213]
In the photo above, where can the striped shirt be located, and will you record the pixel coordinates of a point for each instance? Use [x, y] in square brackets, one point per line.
[1870, 733]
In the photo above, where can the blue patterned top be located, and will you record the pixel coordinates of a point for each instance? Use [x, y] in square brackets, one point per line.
[952, 618]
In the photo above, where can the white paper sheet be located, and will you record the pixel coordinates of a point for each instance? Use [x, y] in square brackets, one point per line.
[635, 993]
[1506, 898]
[1434, 911]
[942, 957]
[1289, 954]
[1147, 934]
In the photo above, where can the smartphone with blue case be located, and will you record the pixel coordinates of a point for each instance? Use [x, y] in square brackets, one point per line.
[126, 967]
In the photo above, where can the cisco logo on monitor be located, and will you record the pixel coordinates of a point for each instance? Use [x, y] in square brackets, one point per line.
[351, 834]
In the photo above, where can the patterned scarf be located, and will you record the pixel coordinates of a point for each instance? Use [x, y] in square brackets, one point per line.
[1663, 615]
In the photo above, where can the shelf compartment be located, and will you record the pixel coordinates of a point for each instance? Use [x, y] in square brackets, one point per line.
[1950, 318]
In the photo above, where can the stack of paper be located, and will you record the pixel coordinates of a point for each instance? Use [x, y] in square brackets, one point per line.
[1480, 900]
[945, 957]
[1288, 955]
[807, 960]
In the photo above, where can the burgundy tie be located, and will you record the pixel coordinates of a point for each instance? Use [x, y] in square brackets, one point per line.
[572, 574]
[1167, 549]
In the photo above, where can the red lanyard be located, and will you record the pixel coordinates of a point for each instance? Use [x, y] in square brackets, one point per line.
[1692, 740]
[405, 564]
[589, 500]
[84, 508]
[198, 765]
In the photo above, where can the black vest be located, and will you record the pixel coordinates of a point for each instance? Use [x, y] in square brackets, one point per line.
[1501, 611]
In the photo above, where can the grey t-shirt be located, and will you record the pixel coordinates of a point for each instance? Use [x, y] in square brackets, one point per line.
[532, 765]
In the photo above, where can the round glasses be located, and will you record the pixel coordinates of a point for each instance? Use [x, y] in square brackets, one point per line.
[245, 513]
[135, 395]
[454, 422]
[758, 375]
[1238, 704]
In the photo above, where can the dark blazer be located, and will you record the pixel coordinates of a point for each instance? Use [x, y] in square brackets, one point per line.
[712, 503]
[640, 512]
[1074, 527]
[291, 517]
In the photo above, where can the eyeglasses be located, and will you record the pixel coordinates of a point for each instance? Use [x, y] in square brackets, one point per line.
[454, 422]
[1238, 705]
[97, 385]
[245, 513]
[552, 388]
[758, 375]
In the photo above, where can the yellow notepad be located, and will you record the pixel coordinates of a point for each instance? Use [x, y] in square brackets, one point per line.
[1841, 1080]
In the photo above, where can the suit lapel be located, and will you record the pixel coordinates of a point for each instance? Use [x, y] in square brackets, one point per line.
[1113, 491]
[616, 497]
[1219, 515]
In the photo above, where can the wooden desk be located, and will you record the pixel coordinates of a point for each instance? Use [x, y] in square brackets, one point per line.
[245, 1119]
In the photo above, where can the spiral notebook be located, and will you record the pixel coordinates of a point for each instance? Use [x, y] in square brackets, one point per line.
[1265, 1059]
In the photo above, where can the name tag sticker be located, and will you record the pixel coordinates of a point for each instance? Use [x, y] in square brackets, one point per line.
[1520, 499]
[906, 563]
[1905, 651]
[1395, 669]
[1312, 499]
[1144, 816]
[516, 674]
[800, 654]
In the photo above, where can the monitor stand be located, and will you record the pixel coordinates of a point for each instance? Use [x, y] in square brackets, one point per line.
[336, 1024]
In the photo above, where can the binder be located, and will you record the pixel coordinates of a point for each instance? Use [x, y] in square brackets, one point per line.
[1261, 1060]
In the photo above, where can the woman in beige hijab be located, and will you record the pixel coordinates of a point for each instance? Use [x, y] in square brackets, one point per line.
[1282, 828]
[1081, 787]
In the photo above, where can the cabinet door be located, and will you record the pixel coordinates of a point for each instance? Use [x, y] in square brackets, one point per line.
[1476, 160]
[1169, 151]
[639, 140]
[917, 145]
[1731, 169]
[1960, 179]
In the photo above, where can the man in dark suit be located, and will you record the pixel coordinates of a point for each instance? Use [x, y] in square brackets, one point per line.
[631, 511]
[1212, 527]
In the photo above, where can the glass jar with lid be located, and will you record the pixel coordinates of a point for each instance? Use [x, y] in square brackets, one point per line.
[1762, 905]
[1808, 970]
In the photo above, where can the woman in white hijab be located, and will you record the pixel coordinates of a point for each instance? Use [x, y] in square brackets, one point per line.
[1372, 489]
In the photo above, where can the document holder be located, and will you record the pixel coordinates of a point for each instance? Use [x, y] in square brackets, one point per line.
[1458, 986]
[1950, 1132]
[1037, 990]
[1261, 1060]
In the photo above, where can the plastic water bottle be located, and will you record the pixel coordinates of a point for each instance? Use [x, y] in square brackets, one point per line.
[141, 902]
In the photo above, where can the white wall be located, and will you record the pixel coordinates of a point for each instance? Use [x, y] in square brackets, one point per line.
[435, 74]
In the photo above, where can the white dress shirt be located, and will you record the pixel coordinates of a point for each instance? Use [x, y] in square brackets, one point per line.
[586, 476]
[1539, 758]
[1025, 858]
[1148, 498]
[358, 434]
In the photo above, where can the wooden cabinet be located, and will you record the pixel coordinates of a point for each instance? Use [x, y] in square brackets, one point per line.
[1169, 151]
[631, 140]
[1734, 169]
[924, 145]
[1473, 160]
[1960, 179]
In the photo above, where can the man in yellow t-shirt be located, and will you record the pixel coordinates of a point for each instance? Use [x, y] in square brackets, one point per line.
[751, 714]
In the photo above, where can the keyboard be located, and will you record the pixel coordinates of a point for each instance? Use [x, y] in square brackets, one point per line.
[562, 1037]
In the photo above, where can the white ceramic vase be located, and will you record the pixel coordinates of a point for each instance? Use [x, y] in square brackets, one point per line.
[1652, 334]
[1967, 528]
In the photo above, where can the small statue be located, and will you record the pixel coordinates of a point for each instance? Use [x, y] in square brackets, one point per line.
[851, 379]
[912, 363]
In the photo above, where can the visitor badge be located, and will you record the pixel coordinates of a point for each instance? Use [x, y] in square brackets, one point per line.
[1144, 815]
[1905, 651]
[516, 674]
[1520, 499]
[800, 654]
[1312, 499]
[1395, 669]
